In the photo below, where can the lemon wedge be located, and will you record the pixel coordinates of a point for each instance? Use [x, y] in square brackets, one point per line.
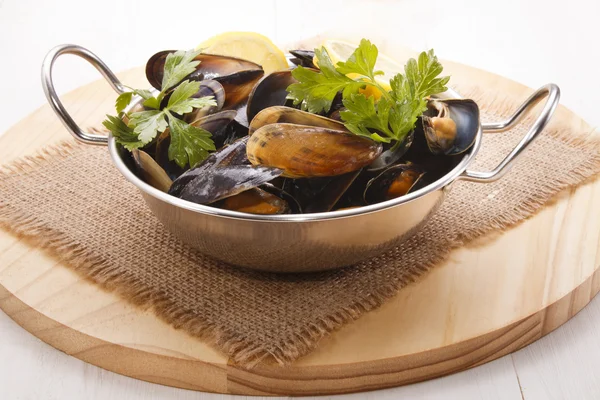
[249, 46]
[339, 50]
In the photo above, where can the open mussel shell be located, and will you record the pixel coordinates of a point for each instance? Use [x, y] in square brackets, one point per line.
[303, 58]
[217, 125]
[269, 91]
[150, 171]
[293, 204]
[317, 195]
[219, 182]
[393, 182]
[288, 115]
[238, 87]
[255, 201]
[210, 67]
[450, 126]
[207, 88]
[223, 174]
[392, 155]
[308, 151]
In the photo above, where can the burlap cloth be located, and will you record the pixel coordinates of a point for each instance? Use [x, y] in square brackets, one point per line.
[72, 201]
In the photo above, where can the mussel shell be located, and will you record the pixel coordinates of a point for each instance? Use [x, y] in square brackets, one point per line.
[396, 181]
[234, 154]
[321, 194]
[210, 67]
[207, 88]
[219, 182]
[269, 91]
[391, 155]
[303, 58]
[150, 171]
[238, 87]
[255, 201]
[307, 151]
[217, 125]
[451, 126]
[294, 205]
[288, 115]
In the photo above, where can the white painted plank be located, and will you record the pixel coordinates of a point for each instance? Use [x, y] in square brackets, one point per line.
[566, 363]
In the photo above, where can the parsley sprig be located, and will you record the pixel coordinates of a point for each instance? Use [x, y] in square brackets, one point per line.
[189, 144]
[389, 119]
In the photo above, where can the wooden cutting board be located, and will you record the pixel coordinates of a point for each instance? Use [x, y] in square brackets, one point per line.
[488, 300]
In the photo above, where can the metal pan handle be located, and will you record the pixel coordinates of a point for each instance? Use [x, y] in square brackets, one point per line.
[552, 92]
[55, 102]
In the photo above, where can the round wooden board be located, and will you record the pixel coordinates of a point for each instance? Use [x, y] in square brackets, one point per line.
[488, 300]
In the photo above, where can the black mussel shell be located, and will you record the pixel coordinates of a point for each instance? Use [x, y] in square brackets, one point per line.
[451, 126]
[150, 171]
[210, 67]
[269, 91]
[255, 201]
[217, 125]
[316, 195]
[234, 154]
[293, 204]
[392, 154]
[396, 181]
[303, 58]
[221, 181]
[238, 87]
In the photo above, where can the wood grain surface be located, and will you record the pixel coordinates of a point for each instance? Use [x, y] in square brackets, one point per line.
[488, 300]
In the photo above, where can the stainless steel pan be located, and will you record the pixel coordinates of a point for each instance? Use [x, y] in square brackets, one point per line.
[305, 242]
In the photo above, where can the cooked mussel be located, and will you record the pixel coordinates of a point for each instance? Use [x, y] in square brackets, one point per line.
[223, 174]
[217, 125]
[288, 115]
[255, 201]
[450, 126]
[308, 151]
[269, 91]
[150, 171]
[210, 67]
[320, 194]
[396, 181]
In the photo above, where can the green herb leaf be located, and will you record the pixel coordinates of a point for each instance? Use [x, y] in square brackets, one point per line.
[122, 133]
[396, 112]
[189, 144]
[361, 116]
[143, 93]
[123, 101]
[147, 124]
[362, 61]
[181, 102]
[178, 65]
[152, 102]
[316, 90]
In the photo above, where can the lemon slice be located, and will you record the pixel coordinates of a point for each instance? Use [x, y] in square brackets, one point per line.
[248, 46]
[339, 50]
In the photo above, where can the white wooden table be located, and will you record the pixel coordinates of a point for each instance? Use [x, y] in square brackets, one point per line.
[533, 42]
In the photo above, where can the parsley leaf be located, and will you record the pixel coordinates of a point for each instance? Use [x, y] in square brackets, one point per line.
[362, 61]
[189, 144]
[389, 119]
[316, 90]
[178, 65]
[181, 100]
[123, 101]
[147, 124]
[123, 134]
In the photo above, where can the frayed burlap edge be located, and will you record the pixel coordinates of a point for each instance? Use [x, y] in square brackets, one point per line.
[241, 351]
